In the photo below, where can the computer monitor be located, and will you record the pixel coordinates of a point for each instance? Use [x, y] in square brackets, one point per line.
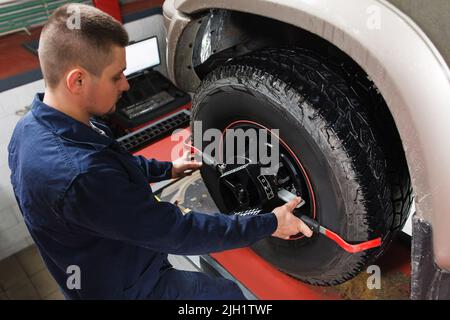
[142, 55]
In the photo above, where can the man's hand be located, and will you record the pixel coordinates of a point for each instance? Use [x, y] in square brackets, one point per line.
[184, 166]
[288, 224]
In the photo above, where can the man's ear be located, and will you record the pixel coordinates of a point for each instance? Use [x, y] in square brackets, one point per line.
[75, 80]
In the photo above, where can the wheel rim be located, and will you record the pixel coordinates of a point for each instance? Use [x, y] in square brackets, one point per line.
[290, 175]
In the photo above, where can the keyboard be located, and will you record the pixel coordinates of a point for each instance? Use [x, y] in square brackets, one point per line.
[154, 131]
[147, 105]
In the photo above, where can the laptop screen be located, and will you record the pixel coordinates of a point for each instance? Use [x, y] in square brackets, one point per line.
[142, 55]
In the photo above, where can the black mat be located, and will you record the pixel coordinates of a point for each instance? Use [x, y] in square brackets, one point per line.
[32, 46]
[20, 79]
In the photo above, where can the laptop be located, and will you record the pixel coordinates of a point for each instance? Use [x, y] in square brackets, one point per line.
[151, 95]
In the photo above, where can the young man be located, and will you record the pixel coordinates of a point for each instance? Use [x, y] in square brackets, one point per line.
[88, 204]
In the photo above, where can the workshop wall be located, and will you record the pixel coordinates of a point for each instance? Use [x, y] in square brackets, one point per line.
[147, 27]
[14, 235]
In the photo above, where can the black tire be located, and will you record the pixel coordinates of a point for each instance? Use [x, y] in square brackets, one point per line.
[321, 118]
[377, 113]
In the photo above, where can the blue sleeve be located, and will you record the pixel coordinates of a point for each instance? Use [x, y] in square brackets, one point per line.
[107, 204]
[155, 170]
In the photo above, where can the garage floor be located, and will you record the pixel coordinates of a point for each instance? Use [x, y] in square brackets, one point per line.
[24, 276]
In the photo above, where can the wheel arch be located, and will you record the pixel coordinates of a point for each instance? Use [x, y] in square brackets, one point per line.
[406, 67]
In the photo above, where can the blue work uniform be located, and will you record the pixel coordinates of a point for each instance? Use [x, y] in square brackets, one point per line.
[90, 210]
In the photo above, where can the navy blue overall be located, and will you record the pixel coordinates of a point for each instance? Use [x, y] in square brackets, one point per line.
[88, 203]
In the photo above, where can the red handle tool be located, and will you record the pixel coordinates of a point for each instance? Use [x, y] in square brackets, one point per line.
[351, 248]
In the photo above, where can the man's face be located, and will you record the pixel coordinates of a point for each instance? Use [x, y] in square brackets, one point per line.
[104, 91]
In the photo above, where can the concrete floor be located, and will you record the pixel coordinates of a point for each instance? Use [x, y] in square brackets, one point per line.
[23, 276]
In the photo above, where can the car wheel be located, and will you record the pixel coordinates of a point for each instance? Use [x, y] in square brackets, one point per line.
[328, 154]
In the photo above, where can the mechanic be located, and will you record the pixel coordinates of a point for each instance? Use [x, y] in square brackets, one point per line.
[88, 204]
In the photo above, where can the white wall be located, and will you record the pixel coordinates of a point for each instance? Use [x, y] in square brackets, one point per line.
[14, 235]
[147, 27]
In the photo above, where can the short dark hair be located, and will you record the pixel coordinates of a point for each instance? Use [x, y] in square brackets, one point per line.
[87, 45]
